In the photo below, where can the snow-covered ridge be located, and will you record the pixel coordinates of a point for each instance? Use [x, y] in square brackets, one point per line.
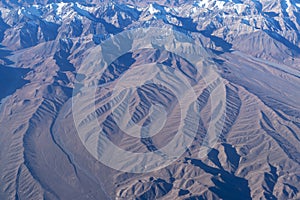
[58, 11]
[226, 19]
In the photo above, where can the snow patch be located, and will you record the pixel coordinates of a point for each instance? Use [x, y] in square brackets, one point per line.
[50, 18]
[220, 4]
[167, 9]
[239, 8]
[176, 10]
[203, 3]
[86, 8]
[152, 10]
[288, 3]
[4, 12]
[59, 8]
[194, 10]
[211, 4]
[36, 6]
[20, 11]
[130, 6]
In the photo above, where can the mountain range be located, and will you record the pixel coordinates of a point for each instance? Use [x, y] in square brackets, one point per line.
[254, 46]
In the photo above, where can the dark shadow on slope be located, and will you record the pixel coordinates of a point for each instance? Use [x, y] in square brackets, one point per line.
[271, 14]
[213, 156]
[62, 61]
[293, 132]
[293, 189]
[202, 101]
[76, 27]
[3, 54]
[49, 30]
[219, 61]
[279, 105]
[183, 192]
[233, 106]
[3, 28]
[284, 144]
[227, 185]
[189, 26]
[11, 78]
[187, 23]
[108, 27]
[158, 189]
[119, 10]
[297, 15]
[117, 68]
[258, 6]
[29, 35]
[267, 120]
[196, 198]
[270, 181]
[232, 157]
[219, 42]
[234, 1]
[61, 56]
[149, 144]
[276, 36]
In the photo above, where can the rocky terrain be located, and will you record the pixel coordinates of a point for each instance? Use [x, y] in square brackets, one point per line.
[254, 46]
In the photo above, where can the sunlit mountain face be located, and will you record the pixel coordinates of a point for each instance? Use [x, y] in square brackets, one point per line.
[150, 99]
